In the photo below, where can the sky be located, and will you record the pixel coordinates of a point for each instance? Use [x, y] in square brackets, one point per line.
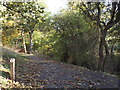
[55, 5]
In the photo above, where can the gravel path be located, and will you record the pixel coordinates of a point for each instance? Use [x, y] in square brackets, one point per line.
[52, 74]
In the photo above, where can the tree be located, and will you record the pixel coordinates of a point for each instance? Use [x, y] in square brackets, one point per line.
[31, 12]
[106, 16]
[75, 32]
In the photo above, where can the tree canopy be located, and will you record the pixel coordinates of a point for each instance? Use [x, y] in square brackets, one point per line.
[85, 33]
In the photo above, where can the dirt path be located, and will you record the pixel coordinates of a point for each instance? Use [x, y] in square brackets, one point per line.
[40, 72]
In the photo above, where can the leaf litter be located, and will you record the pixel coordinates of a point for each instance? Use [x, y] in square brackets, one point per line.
[42, 73]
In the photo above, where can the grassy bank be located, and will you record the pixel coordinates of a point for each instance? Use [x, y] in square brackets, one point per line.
[5, 69]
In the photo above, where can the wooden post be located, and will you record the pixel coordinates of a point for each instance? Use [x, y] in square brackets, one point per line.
[12, 66]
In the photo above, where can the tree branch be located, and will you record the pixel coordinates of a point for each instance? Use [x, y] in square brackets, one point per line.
[113, 12]
[93, 17]
[113, 22]
[99, 14]
[88, 11]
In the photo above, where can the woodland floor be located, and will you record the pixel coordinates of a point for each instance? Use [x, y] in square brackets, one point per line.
[43, 73]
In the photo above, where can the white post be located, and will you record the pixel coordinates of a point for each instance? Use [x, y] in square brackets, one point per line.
[12, 66]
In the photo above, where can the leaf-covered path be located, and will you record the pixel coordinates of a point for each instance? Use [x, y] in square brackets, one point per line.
[43, 73]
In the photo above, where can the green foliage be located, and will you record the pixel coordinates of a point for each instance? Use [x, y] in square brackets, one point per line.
[43, 41]
[70, 39]
[70, 36]
[21, 17]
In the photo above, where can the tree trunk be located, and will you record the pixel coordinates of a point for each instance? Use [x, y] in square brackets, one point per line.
[31, 42]
[107, 56]
[65, 57]
[112, 48]
[110, 65]
[23, 41]
[103, 45]
[101, 56]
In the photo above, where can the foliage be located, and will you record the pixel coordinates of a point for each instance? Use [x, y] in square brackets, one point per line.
[22, 17]
[85, 34]
[68, 39]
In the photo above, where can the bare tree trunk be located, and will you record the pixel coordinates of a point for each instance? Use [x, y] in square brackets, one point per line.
[101, 49]
[107, 56]
[103, 57]
[31, 41]
[112, 48]
[110, 65]
[23, 41]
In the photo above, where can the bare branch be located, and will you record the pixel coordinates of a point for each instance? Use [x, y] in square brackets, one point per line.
[113, 12]
[110, 24]
[89, 12]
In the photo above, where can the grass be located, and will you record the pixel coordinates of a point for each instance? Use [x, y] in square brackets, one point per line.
[5, 69]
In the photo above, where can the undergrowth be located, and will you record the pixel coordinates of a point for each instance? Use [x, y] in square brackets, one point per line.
[6, 82]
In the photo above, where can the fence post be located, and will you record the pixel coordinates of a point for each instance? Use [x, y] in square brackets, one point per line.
[12, 67]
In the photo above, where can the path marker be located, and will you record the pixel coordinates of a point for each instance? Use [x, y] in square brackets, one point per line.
[12, 67]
